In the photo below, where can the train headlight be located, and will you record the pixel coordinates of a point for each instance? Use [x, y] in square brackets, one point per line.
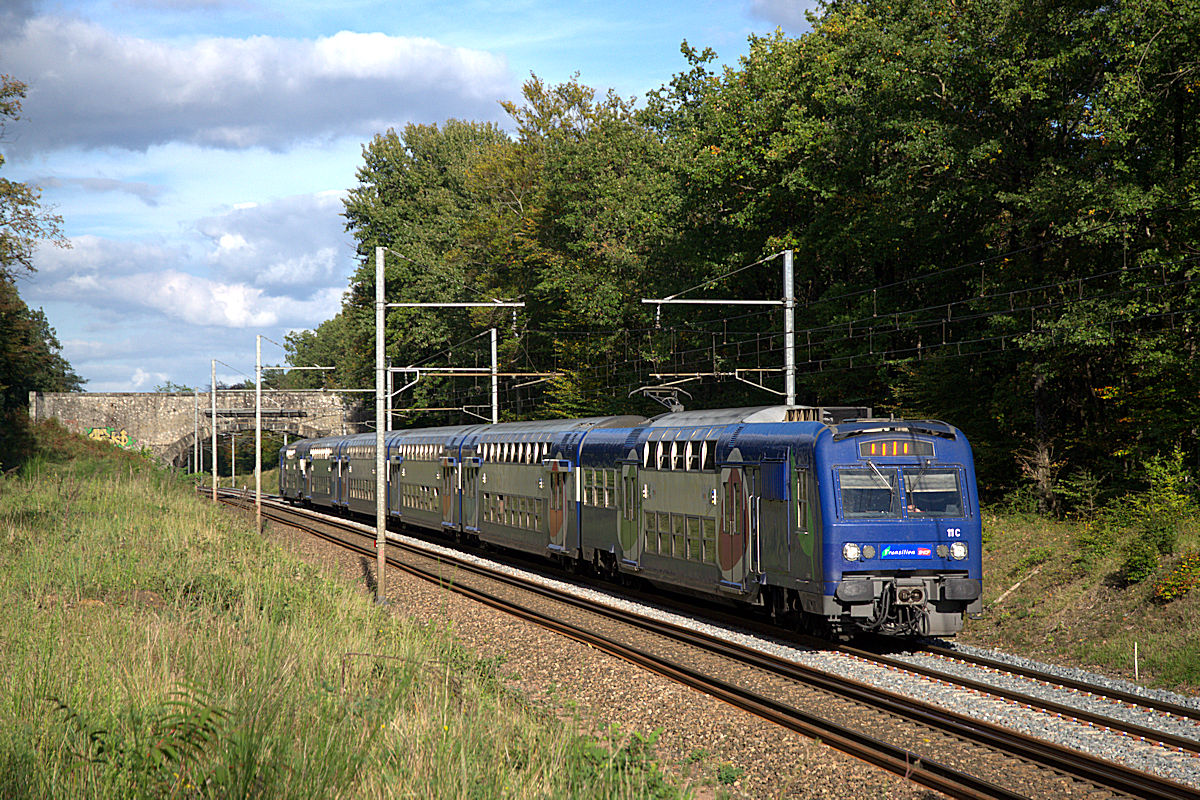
[851, 551]
[868, 551]
[958, 550]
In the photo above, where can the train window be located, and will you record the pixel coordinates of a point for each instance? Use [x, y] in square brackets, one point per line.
[659, 455]
[708, 528]
[869, 493]
[932, 493]
[692, 455]
[801, 495]
[695, 544]
[675, 456]
[646, 456]
[679, 535]
[651, 534]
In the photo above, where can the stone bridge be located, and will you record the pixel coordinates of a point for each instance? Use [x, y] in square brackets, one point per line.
[167, 423]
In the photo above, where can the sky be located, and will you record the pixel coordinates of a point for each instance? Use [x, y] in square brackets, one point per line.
[198, 151]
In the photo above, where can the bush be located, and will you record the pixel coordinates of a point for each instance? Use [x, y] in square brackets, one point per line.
[1147, 522]
[1180, 581]
[1170, 493]
[1081, 491]
[1141, 560]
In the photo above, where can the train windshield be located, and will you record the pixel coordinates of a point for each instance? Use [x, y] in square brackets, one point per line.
[869, 493]
[933, 493]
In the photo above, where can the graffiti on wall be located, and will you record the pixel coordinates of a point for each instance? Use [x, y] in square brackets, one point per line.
[119, 438]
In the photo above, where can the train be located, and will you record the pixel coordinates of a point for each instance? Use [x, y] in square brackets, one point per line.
[823, 518]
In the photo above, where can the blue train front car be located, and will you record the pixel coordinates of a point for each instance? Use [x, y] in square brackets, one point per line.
[902, 544]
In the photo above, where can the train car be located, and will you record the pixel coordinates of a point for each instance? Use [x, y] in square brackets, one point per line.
[815, 516]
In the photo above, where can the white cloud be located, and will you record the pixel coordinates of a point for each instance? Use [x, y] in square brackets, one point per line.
[146, 192]
[181, 297]
[90, 87]
[292, 244]
[786, 14]
[147, 380]
[95, 256]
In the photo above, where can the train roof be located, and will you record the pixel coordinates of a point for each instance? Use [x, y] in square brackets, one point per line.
[830, 415]
[861, 427]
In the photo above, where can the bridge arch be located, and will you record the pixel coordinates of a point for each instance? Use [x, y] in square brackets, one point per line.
[166, 423]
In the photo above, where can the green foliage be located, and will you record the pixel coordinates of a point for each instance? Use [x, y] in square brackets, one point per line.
[1081, 490]
[620, 761]
[1142, 526]
[1022, 499]
[1141, 559]
[1035, 557]
[23, 222]
[728, 774]
[171, 386]
[174, 748]
[30, 354]
[992, 209]
[1096, 540]
[1181, 580]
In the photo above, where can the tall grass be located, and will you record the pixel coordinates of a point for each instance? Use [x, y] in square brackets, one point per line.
[154, 646]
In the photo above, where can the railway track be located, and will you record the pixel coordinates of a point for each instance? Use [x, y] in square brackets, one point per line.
[958, 755]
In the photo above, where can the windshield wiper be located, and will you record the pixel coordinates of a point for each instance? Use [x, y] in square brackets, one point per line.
[886, 483]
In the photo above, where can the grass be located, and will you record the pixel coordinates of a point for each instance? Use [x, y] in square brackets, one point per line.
[270, 480]
[1068, 598]
[154, 646]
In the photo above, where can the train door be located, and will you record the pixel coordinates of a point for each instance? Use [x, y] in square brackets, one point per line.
[803, 550]
[630, 517]
[470, 494]
[753, 518]
[393, 485]
[731, 541]
[556, 503]
[340, 494]
[449, 491]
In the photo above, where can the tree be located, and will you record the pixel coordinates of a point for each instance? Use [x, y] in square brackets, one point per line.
[23, 222]
[172, 386]
[30, 354]
[30, 360]
[1012, 181]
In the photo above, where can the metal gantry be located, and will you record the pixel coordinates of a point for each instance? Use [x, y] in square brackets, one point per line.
[789, 328]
